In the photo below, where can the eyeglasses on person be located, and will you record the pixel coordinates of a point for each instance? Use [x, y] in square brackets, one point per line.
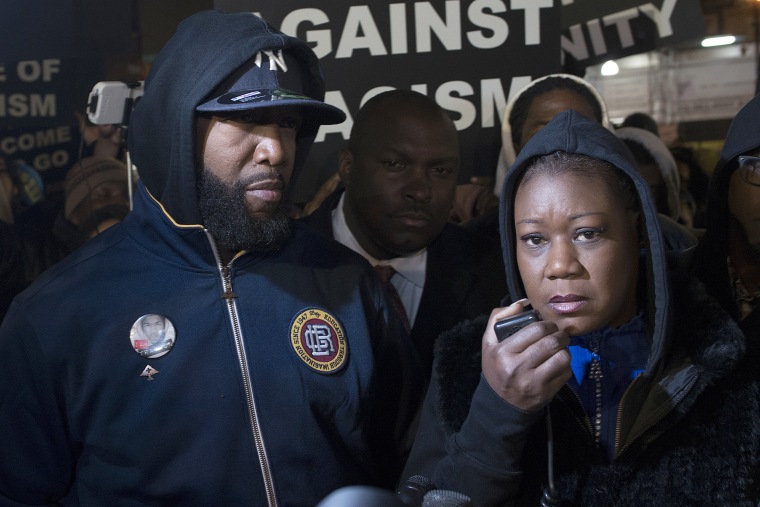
[749, 167]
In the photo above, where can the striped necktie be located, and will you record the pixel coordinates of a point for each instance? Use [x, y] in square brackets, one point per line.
[385, 273]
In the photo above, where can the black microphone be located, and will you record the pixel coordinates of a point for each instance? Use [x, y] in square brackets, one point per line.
[445, 498]
[413, 490]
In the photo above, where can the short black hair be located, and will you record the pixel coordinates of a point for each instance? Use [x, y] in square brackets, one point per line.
[379, 102]
[642, 121]
[561, 162]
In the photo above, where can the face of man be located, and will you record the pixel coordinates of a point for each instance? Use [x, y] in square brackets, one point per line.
[106, 194]
[247, 162]
[546, 106]
[744, 205]
[577, 251]
[400, 179]
[153, 328]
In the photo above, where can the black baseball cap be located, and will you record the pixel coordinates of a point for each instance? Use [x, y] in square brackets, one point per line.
[272, 78]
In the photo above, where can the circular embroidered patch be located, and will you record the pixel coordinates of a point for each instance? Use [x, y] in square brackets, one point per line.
[319, 340]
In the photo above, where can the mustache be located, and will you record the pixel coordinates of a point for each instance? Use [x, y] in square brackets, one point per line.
[259, 177]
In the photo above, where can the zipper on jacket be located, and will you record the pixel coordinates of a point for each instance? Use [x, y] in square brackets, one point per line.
[584, 423]
[618, 450]
[675, 402]
[229, 297]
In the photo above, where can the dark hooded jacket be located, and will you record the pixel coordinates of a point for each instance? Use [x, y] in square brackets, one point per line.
[709, 260]
[286, 379]
[688, 426]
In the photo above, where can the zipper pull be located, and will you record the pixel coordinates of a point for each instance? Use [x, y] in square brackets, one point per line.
[228, 294]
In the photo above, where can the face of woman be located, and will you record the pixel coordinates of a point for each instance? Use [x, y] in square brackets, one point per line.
[577, 251]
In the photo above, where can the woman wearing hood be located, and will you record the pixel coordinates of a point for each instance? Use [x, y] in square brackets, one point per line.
[632, 378]
[659, 169]
[532, 107]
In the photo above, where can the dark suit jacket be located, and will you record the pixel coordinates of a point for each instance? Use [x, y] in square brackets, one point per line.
[453, 291]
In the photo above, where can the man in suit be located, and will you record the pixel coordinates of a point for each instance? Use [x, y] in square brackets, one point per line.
[398, 178]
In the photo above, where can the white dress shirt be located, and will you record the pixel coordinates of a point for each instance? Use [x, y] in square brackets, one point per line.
[409, 279]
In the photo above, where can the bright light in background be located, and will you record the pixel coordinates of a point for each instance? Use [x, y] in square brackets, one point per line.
[722, 40]
[610, 68]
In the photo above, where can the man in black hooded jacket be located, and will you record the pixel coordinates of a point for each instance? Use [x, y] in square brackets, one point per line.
[286, 377]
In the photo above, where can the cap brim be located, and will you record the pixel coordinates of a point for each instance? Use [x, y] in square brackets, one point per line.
[246, 100]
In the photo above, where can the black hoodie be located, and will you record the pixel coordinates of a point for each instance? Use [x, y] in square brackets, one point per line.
[709, 261]
[162, 125]
[572, 132]
[672, 418]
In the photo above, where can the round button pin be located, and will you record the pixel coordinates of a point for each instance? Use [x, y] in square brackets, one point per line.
[152, 335]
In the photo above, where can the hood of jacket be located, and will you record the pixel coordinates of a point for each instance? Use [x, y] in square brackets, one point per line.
[205, 50]
[572, 132]
[665, 163]
[507, 155]
[742, 138]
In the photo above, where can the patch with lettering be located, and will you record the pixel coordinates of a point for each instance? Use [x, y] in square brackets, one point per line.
[319, 340]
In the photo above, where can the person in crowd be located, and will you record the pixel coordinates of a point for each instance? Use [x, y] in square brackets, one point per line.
[526, 113]
[91, 184]
[531, 108]
[288, 376]
[8, 192]
[33, 217]
[12, 267]
[658, 167]
[100, 220]
[727, 258]
[631, 388]
[99, 141]
[524, 116]
[693, 179]
[642, 121]
[398, 175]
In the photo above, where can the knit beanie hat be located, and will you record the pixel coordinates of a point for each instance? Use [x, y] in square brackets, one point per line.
[86, 175]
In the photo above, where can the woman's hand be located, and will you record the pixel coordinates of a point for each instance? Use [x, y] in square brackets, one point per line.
[527, 369]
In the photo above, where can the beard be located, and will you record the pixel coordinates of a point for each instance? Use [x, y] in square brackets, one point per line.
[225, 215]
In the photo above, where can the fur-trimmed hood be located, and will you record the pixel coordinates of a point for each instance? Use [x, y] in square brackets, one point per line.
[707, 339]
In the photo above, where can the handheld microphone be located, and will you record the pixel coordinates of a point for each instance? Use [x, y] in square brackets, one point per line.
[413, 490]
[445, 498]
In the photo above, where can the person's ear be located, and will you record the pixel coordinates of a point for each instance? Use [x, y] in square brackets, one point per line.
[345, 163]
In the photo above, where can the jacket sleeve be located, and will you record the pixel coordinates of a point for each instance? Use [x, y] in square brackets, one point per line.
[37, 462]
[482, 459]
